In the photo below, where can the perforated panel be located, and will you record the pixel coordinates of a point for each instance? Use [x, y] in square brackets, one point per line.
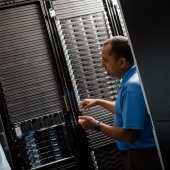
[82, 38]
[27, 74]
[74, 8]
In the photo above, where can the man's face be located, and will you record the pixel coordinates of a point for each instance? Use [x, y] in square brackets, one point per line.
[109, 63]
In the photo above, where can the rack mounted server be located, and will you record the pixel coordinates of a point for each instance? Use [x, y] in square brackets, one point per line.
[50, 60]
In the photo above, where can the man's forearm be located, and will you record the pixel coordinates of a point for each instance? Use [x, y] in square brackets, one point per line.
[109, 105]
[119, 133]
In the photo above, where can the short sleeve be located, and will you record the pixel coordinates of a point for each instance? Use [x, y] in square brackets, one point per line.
[133, 111]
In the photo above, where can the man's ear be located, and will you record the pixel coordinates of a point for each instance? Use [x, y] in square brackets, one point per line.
[122, 62]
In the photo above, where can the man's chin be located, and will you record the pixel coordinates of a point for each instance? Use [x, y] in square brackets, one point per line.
[108, 74]
[113, 76]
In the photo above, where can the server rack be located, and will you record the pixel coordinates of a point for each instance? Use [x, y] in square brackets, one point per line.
[50, 60]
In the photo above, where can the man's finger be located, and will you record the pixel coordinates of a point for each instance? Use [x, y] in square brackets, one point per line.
[82, 117]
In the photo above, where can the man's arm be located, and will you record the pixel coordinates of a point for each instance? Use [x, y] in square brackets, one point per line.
[126, 135]
[88, 103]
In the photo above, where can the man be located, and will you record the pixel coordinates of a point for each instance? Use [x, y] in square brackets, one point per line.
[132, 125]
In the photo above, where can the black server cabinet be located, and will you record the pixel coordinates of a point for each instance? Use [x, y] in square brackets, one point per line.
[148, 27]
[37, 117]
[49, 61]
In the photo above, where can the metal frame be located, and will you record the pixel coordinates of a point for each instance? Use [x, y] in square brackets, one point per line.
[113, 18]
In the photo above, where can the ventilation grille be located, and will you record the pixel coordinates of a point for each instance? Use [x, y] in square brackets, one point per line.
[74, 8]
[26, 71]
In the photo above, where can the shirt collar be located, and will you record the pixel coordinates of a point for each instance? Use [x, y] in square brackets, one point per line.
[127, 75]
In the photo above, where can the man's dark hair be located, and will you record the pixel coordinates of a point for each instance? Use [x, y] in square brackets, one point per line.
[120, 47]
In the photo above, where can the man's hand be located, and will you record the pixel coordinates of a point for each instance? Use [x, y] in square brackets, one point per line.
[87, 103]
[87, 122]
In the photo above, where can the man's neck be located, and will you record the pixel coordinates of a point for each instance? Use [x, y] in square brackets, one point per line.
[128, 66]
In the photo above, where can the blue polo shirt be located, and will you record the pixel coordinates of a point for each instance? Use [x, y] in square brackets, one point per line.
[131, 112]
